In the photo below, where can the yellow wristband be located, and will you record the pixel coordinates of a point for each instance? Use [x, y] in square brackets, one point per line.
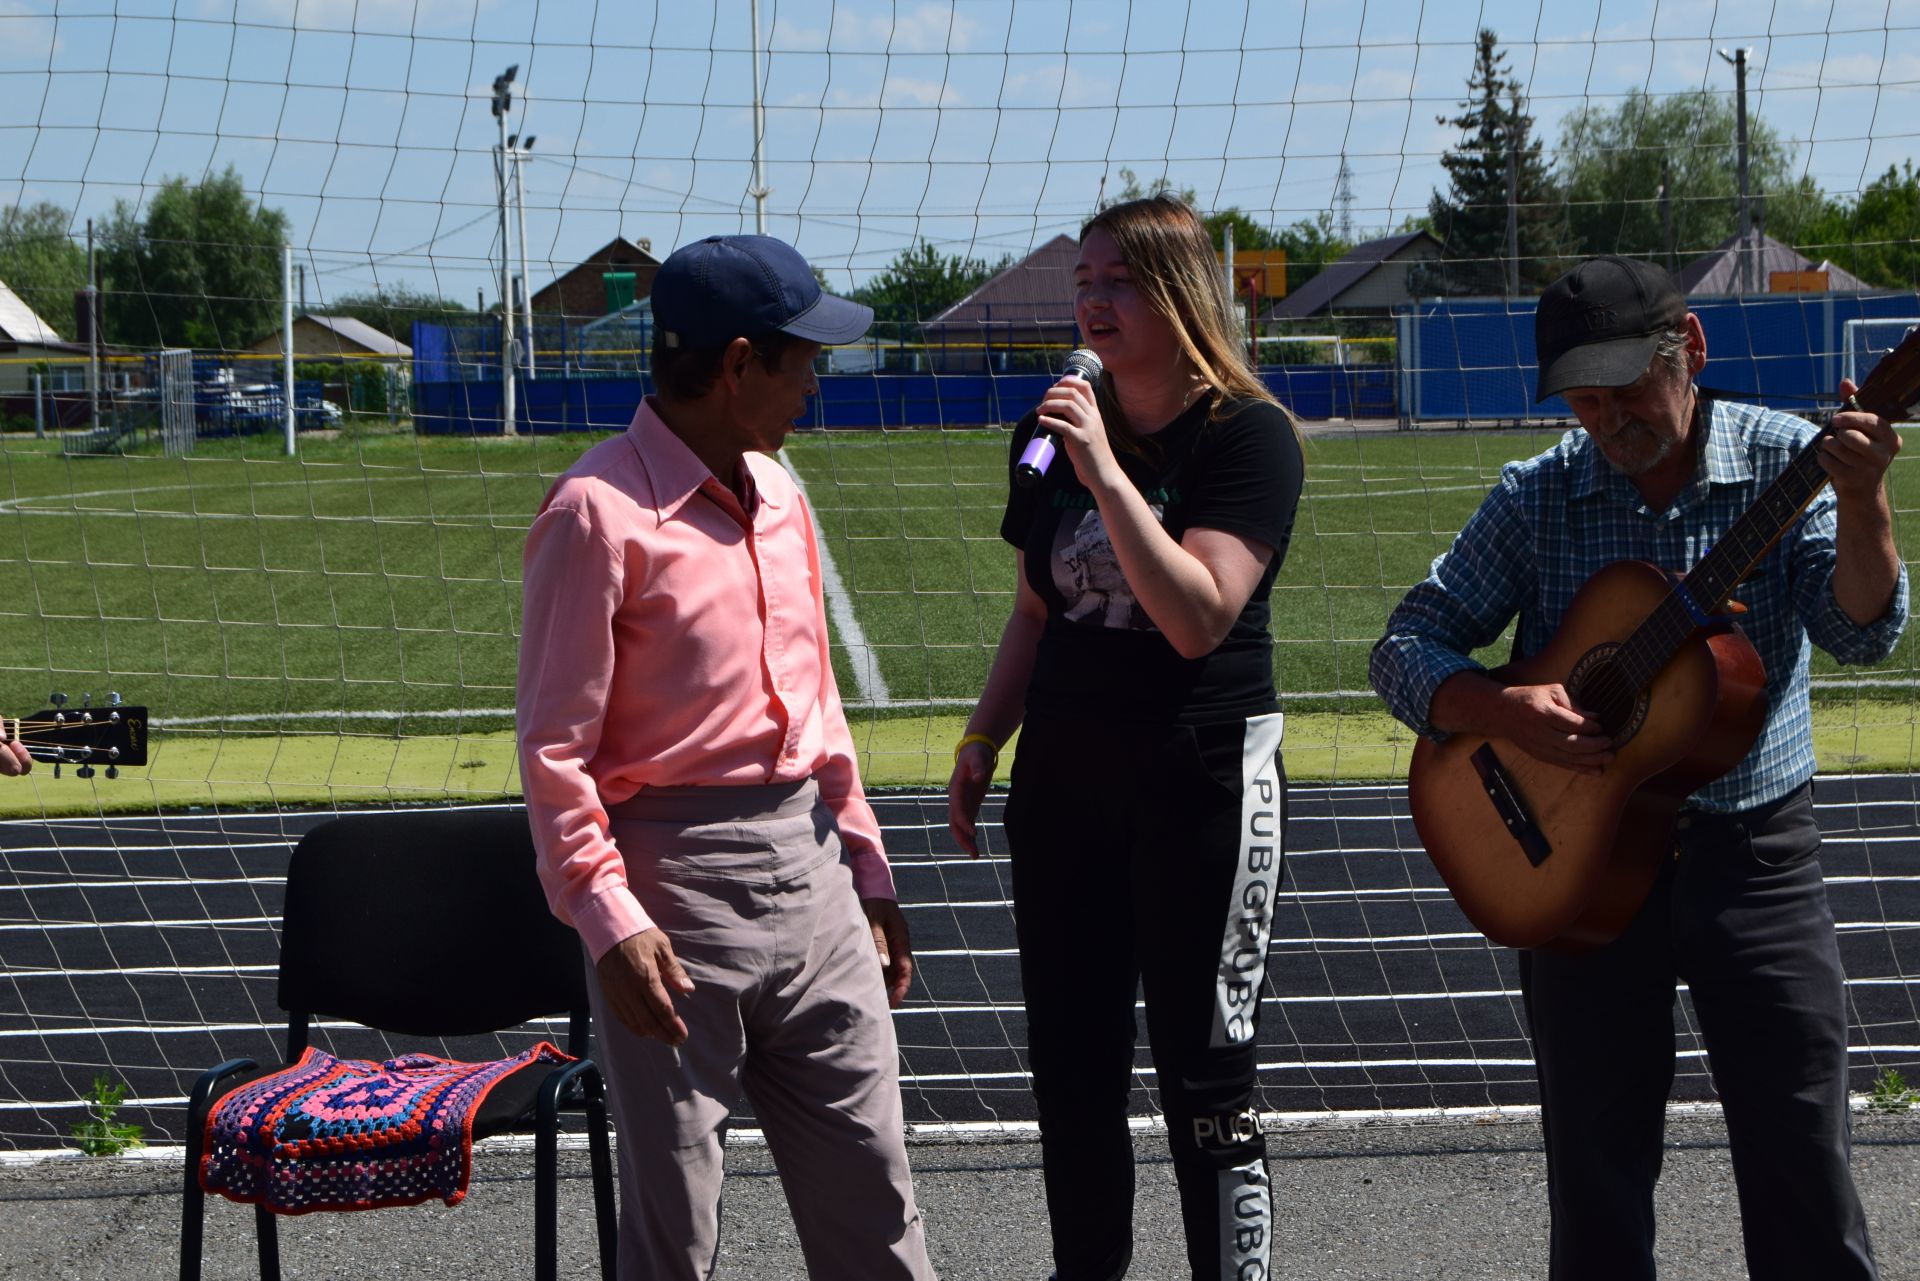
[975, 738]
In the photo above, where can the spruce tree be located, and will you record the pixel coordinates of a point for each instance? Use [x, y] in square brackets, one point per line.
[1471, 217]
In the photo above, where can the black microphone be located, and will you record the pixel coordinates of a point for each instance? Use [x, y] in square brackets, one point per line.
[1041, 449]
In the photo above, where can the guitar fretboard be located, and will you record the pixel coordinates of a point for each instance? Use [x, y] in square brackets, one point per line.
[1711, 582]
[1889, 390]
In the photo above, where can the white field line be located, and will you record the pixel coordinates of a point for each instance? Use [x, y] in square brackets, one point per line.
[174, 1154]
[1146, 1072]
[867, 679]
[37, 504]
[873, 692]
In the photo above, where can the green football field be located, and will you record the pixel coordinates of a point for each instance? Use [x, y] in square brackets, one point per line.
[344, 624]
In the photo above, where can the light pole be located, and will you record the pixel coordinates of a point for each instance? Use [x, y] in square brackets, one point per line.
[1738, 60]
[521, 148]
[760, 190]
[502, 103]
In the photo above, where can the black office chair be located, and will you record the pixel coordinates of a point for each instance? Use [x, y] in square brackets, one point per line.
[429, 924]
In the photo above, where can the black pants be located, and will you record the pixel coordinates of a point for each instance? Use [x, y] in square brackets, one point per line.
[1148, 857]
[1741, 914]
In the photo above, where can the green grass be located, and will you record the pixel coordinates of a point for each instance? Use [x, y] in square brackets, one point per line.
[257, 599]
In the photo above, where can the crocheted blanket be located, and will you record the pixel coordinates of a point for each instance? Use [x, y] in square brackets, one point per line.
[350, 1134]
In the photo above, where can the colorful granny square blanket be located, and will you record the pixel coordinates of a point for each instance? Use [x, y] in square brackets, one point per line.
[348, 1134]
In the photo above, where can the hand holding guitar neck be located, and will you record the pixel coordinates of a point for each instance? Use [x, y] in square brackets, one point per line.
[14, 757]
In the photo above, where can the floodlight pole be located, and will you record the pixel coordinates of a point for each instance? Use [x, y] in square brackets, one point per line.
[526, 286]
[286, 336]
[93, 336]
[502, 103]
[1738, 58]
[760, 190]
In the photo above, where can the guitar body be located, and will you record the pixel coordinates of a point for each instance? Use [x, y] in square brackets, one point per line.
[1607, 835]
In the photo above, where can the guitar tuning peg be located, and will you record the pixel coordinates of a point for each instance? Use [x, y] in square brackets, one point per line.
[57, 699]
[56, 769]
[86, 700]
[83, 771]
[113, 698]
[113, 771]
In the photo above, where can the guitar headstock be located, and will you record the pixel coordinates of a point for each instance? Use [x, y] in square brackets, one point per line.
[1894, 385]
[86, 736]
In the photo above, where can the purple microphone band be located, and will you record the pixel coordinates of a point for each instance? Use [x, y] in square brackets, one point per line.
[1038, 454]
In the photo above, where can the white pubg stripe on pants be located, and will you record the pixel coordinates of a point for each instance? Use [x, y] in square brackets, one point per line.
[1246, 1222]
[1256, 873]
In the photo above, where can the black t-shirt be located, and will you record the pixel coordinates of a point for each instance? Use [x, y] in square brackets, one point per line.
[1100, 654]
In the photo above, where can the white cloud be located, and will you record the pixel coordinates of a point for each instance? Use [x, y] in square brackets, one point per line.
[928, 27]
[1056, 82]
[1848, 71]
[396, 16]
[28, 35]
[898, 91]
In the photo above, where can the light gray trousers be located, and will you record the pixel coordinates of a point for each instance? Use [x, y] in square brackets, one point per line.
[788, 1007]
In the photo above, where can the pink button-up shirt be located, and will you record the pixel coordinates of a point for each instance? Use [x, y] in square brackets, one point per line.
[670, 638]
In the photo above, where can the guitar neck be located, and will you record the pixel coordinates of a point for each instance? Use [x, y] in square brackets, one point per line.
[1710, 584]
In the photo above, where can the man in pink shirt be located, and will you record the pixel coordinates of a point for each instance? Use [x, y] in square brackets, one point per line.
[692, 788]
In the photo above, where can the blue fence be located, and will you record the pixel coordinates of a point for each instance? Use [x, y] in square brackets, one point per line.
[860, 400]
[1473, 359]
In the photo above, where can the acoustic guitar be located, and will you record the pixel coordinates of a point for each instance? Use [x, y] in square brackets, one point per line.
[1539, 856]
[84, 737]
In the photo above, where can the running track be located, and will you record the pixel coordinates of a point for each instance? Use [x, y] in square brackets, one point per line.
[143, 948]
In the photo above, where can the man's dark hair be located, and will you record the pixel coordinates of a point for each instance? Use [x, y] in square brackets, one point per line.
[688, 373]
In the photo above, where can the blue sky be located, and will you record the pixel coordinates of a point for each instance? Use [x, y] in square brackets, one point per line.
[983, 125]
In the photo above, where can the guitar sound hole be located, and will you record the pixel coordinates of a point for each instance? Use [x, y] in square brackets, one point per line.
[1599, 687]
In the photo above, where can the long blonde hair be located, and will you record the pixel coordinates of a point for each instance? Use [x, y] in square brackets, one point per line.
[1170, 257]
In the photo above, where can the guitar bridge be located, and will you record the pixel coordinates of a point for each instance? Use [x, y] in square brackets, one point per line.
[1508, 805]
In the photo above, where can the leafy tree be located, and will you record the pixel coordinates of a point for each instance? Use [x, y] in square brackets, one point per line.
[1311, 245]
[921, 282]
[1309, 242]
[1130, 189]
[202, 269]
[1613, 160]
[392, 309]
[1875, 236]
[1470, 218]
[40, 262]
[1247, 234]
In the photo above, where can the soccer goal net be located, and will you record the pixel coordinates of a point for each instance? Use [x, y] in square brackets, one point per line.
[304, 306]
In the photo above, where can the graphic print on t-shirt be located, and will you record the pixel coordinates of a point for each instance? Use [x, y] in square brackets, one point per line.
[1087, 574]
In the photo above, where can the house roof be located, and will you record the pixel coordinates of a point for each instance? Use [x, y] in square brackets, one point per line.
[1337, 277]
[360, 334]
[597, 262]
[618, 242]
[1038, 289]
[19, 323]
[1718, 270]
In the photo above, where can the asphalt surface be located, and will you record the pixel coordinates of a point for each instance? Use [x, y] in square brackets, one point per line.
[1380, 1202]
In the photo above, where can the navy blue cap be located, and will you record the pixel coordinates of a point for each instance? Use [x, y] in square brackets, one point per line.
[711, 292]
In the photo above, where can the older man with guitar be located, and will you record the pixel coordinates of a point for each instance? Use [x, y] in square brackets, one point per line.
[1630, 801]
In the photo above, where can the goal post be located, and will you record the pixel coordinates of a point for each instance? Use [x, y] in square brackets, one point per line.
[1867, 341]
